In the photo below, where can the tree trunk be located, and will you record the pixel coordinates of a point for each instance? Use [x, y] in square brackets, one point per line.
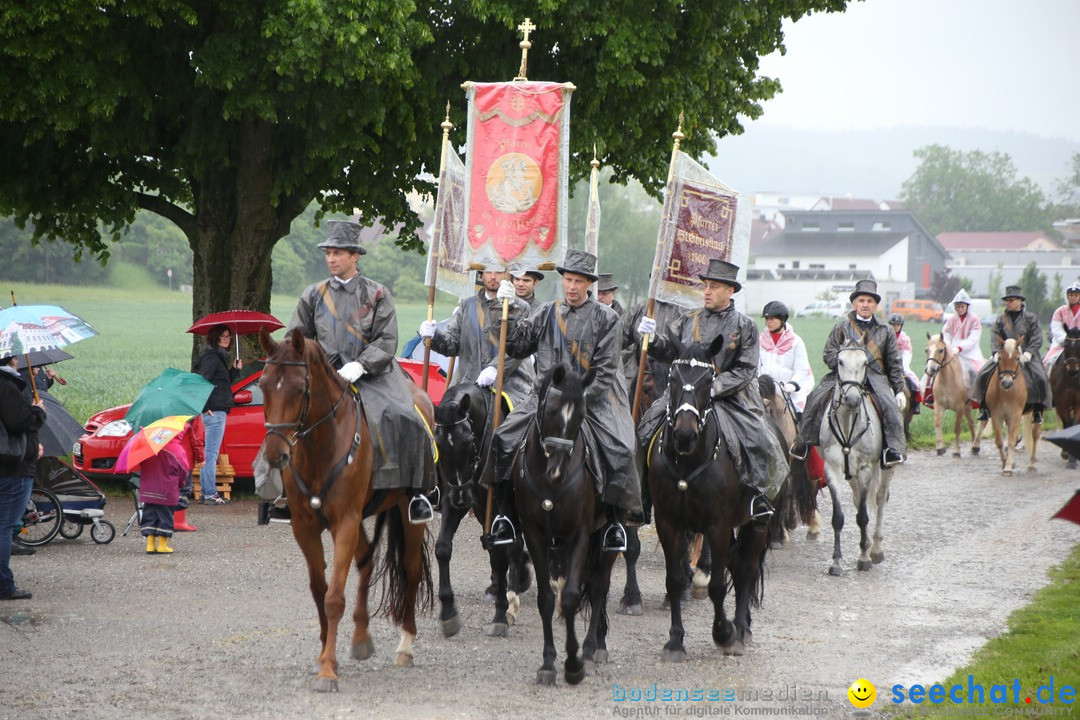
[236, 227]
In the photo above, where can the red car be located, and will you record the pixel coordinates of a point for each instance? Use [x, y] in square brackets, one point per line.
[107, 432]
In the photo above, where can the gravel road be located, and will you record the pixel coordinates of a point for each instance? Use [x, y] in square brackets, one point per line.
[225, 627]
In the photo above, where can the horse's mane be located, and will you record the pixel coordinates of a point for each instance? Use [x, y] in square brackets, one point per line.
[573, 385]
[313, 355]
[447, 410]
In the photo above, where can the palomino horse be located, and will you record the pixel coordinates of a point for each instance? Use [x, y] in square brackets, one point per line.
[463, 431]
[317, 435]
[696, 487]
[1006, 398]
[563, 523]
[1065, 385]
[852, 440]
[946, 380]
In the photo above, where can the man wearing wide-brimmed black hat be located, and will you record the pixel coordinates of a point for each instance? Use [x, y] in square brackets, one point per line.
[884, 375]
[354, 319]
[737, 405]
[1018, 324]
[579, 330]
[605, 292]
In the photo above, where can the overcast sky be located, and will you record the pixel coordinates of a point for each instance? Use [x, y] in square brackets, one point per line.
[993, 64]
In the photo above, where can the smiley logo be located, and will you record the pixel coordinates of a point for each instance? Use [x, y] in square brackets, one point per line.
[862, 693]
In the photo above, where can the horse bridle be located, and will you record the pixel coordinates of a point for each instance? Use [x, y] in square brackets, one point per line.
[475, 446]
[703, 417]
[930, 374]
[847, 437]
[1072, 364]
[552, 445]
[301, 433]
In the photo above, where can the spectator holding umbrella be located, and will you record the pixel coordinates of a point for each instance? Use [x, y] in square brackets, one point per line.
[215, 365]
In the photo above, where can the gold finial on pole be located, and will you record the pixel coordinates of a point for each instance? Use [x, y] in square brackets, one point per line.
[595, 163]
[446, 125]
[678, 134]
[525, 28]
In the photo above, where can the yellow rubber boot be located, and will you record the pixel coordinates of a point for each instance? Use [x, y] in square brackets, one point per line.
[151, 546]
[163, 544]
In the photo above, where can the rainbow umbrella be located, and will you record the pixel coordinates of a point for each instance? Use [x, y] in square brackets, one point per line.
[149, 440]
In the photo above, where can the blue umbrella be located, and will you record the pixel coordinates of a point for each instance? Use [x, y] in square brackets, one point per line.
[173, 392]
[27, 328]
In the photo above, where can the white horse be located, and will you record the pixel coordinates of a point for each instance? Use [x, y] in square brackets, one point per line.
[851, 442]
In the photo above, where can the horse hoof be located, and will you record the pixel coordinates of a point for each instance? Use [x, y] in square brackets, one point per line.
[1071, 465]
[956, 454]
[864, 565]
[363, 650]
[626, 608]
[699, 592]
[736, 648]
[545, 677]
[813, 534]
[1007, 473]
[489, 594]
[674, 656]
[589, 666]
[836, 570]
[877, 557]
[497, 630]
[941, 451]
[1032, 468]
[324, 684]
[403, 660]
[600, 656]
[975, 450]
[451, 626]
[574, 677]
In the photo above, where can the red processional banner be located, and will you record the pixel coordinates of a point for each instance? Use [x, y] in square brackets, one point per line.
[516, 161]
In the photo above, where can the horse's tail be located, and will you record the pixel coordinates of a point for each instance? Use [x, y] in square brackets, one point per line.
[738, 548]
[392, 570]
[804, 490]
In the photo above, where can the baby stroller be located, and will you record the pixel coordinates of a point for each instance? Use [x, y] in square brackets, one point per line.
[81, 501]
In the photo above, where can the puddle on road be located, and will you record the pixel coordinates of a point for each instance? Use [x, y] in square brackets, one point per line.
[22, 620]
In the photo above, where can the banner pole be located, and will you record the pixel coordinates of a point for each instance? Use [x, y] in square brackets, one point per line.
[497, 418]
[654, 280]
[434, 250]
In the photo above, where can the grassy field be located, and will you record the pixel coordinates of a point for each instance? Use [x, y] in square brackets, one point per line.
[142, 332]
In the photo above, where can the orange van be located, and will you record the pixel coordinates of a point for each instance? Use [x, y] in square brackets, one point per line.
[922, 310]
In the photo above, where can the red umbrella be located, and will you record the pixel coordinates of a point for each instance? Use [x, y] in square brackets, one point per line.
[240, 322]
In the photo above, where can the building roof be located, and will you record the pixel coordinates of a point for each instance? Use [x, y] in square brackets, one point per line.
[991, 240]
[761, 230]
[846, 203]
[825, 243]
[807, 274]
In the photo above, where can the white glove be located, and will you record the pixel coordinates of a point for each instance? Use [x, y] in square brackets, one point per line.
[487, 376]
[1025, 358]
[901, 401]
[428, 328]
[352, 371]
[647, 326]
[790, 388]
[506, 291]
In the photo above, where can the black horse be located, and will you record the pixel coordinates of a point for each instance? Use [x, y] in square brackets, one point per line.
[563, 522]
[463, 431]
[695, 487]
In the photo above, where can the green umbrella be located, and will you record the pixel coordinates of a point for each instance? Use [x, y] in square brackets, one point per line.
[173, 392]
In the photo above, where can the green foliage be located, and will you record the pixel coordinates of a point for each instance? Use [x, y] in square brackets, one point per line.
[229, 119]
[944, 286]
[44, 262]
[994, 284]
[954, 191]
[826, 294]
[1033, 284]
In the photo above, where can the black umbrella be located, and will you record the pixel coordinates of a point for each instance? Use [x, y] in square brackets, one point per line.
[60, 430]
[44, 357]
[1067, 439]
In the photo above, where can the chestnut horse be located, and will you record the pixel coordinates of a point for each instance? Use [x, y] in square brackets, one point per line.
[317, 434]
[945, 378]
[1065, 385]
[1006, 397]
[563, 522]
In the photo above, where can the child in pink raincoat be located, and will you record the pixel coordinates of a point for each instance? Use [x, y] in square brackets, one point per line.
[162, 476]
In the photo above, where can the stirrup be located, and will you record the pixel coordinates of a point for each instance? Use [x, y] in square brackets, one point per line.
[420, 510]
[799, 450]
[614, 538]
[435, 496]
[502, 531]
[886, 462]
[760, 507]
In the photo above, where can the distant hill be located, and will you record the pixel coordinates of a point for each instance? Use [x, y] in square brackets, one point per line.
[869, 163]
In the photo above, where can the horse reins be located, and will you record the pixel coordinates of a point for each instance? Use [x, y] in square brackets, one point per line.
[314, 499]
[847, 439]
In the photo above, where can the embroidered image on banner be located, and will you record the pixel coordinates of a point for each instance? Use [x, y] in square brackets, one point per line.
[453, 274]
[516, 160]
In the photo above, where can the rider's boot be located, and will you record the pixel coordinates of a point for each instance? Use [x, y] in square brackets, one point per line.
[420, 510]
[915, 407]
[1036, 416]
[984, 414]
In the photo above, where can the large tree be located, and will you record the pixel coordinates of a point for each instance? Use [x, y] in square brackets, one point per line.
[229, 118]
[954, 191]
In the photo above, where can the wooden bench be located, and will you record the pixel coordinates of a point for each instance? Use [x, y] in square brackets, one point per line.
[225, 476]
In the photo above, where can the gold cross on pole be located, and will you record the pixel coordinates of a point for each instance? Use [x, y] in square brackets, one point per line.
[525, 28]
